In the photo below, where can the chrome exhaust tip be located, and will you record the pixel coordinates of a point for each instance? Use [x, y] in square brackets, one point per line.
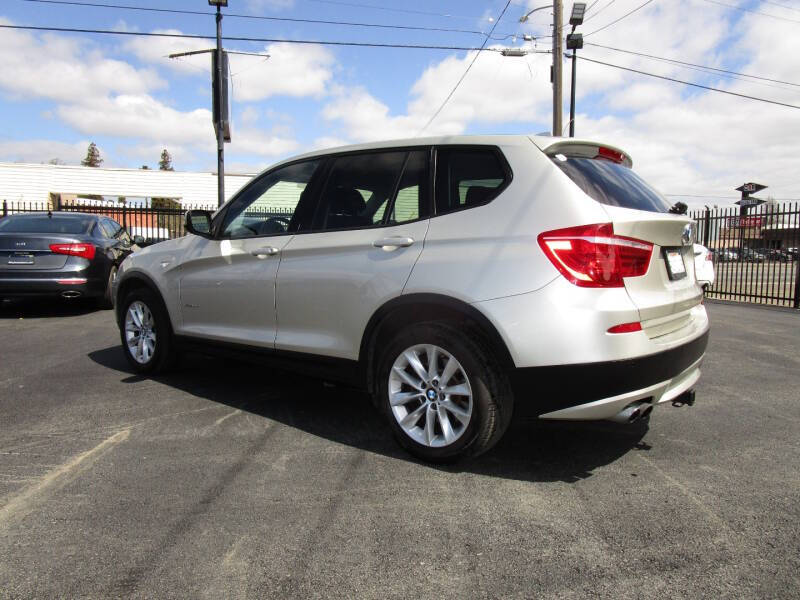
[633, 412]
[69, 294]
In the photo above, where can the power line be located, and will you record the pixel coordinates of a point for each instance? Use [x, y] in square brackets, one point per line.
[392, 9]
[628, 14]
[588, 8]
[472, 62]
[781, 5]
[748, 10]
[246, 39]
[680, 62]
[697, 85]
[255, 17]
[599, 10]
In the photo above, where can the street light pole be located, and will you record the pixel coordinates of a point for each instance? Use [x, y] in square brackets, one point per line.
[574, 43]
[220, 127]
[572, 98]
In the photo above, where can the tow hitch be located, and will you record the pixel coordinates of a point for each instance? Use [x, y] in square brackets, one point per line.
[686, 398]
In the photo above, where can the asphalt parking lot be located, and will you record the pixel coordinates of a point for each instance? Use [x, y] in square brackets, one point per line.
[228, 480]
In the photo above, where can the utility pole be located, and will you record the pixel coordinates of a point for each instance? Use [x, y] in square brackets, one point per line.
[555, 70]
[557, 63]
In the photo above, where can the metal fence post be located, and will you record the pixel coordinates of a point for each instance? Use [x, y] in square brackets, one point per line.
[5, 208]
[797, 287]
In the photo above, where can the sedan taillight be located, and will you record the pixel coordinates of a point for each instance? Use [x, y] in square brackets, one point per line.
[592, 256]
[82, 250]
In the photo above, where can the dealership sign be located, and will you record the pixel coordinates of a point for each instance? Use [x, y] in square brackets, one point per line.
[745, 222]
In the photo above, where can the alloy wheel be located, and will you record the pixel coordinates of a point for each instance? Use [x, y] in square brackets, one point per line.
[140, 332]
[430, 395]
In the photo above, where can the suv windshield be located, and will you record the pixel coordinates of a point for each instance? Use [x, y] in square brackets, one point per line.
[611, 183]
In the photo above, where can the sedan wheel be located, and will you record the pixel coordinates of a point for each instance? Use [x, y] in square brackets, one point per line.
[430, 395]
[140, 332]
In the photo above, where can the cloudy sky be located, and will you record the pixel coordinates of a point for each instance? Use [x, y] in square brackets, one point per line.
[59, 91]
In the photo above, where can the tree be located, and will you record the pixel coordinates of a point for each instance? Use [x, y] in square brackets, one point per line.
[56, 161]
[92, 157]
[165, 164]
[144, 168]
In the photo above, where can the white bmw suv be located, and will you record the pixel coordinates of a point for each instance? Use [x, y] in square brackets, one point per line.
[459, 280]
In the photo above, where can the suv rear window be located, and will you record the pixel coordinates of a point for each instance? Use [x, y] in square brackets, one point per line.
[611, 183]
[467, 177]
[45, 224]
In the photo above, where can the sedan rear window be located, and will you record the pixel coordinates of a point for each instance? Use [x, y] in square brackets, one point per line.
[611, 183]
[45, 224]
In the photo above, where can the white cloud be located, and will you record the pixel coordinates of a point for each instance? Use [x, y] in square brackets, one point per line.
[497, 90]
[250, 115]
[36, 151]
[295, 70]
[324, 142]
[65, 69]
[156, 50]
[139, 116]
[261, 6]
[145, 118]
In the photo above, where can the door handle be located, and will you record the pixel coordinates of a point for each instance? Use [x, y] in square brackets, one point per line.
[393, 242]
[267, 251]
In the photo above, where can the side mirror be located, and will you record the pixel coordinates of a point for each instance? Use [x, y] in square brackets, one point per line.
[198, 222]
[138, 240]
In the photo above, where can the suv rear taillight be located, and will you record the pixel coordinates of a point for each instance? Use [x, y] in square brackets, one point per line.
[82, 250]
[592, 256]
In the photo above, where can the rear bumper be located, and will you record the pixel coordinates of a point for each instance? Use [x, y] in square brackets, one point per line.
[65, 285]
[600, 390]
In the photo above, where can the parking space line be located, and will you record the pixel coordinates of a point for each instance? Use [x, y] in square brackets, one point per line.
[688, 493]
[228, 416]
[21, 503]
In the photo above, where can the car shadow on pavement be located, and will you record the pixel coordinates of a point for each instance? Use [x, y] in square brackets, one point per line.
[531, 450]
[38, 309]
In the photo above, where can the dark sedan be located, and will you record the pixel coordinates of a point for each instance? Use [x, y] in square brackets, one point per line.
[66, 255]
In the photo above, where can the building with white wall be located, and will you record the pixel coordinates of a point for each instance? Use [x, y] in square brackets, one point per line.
[34, 183]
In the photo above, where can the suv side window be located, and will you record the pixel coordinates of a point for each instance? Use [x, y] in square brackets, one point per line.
[374, 189]
[269, 205]
[411, 201]
[467, 177]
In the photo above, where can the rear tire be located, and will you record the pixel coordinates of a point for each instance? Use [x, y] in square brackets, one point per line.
[442, 413]
[146, 333]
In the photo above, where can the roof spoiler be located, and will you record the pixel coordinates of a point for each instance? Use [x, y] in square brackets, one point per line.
[583, 149]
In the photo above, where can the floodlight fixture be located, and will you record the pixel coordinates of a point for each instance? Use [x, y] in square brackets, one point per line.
[218, 3]
[578, 10]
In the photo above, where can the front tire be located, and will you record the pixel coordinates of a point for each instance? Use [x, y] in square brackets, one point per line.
[146, 332]
[444, 395]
